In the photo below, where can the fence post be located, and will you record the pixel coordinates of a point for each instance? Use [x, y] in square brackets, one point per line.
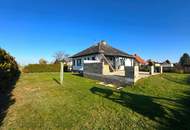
[152, 70]
[161, 69]
[132, 73]
[61, 73]
[136, 72]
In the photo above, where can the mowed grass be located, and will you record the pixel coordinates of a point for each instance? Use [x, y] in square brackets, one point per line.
[158, 102]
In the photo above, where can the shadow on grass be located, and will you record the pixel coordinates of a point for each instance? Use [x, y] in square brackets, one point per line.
[188, 80]
[185, 81]
[6, 99]
[139, 103]
[56, 81]
[148, 107]
[78, 74]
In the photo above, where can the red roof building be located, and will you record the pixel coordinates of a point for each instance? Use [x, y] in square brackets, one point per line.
[140, 60]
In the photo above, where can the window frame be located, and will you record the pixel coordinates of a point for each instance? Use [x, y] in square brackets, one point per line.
[74, 63]
[93, 58]
[79, 62]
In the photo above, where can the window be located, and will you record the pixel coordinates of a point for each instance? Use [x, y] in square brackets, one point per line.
[88, 58]
[73, 62]
[122, 61]
[84, 58]
[93, 58]
[79, 62]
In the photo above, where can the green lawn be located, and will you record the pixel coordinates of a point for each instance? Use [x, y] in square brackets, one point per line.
[39, 102]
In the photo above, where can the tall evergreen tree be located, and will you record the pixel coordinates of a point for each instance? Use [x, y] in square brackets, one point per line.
[185, 60]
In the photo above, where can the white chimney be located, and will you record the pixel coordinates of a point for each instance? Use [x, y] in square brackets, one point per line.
[103, 42]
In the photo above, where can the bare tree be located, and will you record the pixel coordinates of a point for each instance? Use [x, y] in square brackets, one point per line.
[60, 56]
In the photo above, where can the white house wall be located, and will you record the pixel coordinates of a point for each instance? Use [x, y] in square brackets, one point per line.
[129, 62]
[80, 68]
[168, 65]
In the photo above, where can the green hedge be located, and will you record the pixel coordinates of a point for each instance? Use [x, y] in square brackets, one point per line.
[9, 70]
[38, 68]
[144, 68]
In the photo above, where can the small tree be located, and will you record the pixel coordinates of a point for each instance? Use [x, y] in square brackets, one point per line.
[185, 60]
[42, 61]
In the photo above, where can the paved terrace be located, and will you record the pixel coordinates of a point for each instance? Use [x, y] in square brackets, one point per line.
[122, 74]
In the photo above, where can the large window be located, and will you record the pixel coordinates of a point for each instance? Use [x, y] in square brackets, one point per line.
[79, 62]
[93, 58]
[122, 61]
[111, 58]
[73, 62]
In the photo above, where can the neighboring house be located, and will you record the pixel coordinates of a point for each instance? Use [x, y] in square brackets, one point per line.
[167, 64]
[116, 59]
[68, 64]
[139, 60]
[153, 63]
[157, 64]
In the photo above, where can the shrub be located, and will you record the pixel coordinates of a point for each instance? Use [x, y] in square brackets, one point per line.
[9, 70]
[169, 69]
[38, 68]
[145, 68]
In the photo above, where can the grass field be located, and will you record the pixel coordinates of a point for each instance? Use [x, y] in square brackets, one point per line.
[39, 102]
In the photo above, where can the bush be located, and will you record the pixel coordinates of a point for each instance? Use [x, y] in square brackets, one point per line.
[38, 68]
[9, 70]
[169, 69]
[179, 69]
[144, 68]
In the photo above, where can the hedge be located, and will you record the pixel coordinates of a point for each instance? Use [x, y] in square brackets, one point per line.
[39, 68]
[9, 71]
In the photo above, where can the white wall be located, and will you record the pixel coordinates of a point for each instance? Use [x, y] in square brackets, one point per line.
[129, 62]
[168, 65]
[91, 61]
[80, 68]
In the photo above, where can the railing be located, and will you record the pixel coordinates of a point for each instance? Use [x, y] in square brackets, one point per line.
[108, 62]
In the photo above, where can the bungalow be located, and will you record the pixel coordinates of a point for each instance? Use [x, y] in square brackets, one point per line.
[100, 52]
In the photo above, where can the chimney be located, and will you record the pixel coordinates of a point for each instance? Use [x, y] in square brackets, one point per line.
[103, 42]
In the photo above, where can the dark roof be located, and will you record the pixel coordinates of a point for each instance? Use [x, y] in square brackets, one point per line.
[167, 62]
[102, 48]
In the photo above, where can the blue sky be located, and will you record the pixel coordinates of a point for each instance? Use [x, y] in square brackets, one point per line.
[34, 29]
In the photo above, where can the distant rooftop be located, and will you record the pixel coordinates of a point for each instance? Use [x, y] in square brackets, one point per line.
[139, 59]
